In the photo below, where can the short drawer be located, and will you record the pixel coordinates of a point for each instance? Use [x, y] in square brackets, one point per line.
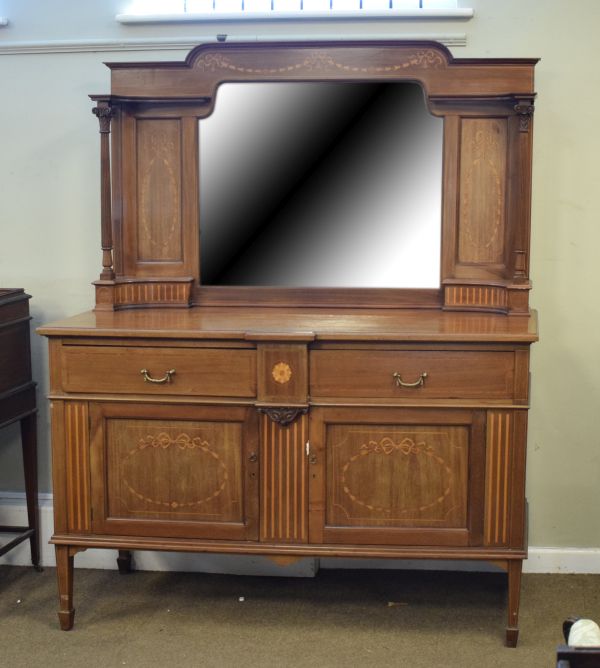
[218, 372]
[445, 374]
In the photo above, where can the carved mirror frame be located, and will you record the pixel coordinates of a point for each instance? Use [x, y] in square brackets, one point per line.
[150, 172]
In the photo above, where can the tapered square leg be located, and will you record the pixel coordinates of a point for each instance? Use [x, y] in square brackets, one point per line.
[515, 568]
[64, 572]
[29, 445]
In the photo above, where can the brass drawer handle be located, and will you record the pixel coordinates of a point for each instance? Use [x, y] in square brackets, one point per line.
[165, 379]
[417, 383]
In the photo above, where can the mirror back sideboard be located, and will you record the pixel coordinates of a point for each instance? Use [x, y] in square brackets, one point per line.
[299, 421]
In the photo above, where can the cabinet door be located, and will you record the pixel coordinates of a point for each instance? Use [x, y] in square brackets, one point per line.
[179, 471]
[392, 476]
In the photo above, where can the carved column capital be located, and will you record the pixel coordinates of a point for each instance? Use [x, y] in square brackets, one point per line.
[524, 108]
[104, 114]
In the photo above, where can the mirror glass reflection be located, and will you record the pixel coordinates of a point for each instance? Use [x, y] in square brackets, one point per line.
[320, 185]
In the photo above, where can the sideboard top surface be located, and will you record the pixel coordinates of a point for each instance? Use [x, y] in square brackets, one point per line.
[299, 325]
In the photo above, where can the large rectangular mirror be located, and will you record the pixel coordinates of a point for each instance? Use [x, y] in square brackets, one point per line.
[320, 184]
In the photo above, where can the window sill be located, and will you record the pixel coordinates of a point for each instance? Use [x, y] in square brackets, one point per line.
[356, 15]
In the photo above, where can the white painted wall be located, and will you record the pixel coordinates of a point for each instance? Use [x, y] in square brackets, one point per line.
[49, 207]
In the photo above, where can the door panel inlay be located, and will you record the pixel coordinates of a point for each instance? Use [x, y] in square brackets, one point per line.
[398, 476]
[156, 469]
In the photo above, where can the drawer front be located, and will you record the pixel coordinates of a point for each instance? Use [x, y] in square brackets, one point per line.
[445, 374]
[218, 372]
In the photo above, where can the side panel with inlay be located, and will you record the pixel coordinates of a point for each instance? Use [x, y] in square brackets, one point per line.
[481, 237]
[159, 183]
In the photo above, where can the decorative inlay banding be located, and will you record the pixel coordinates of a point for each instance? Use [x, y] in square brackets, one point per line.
[476, 296]
[152, 293]
[423, 59]
[78, 465]
[284, 481]
[498, 456]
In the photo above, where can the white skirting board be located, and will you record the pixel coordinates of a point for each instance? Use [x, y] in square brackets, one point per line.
[13, 512]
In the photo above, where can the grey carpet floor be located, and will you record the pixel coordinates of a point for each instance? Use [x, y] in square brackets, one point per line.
[339, 618]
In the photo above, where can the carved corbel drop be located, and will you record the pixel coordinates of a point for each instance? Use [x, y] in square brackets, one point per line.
[283, 415]
[524, 107]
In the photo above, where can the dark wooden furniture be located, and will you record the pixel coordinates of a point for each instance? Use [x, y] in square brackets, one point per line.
[577, 657]
[17, 403]
[291, 421]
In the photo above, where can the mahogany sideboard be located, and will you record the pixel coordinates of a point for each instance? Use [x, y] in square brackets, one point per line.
[290, 421]
[17, 404]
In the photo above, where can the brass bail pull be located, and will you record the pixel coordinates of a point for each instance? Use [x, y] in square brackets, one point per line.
[418, 383]
[165, 379]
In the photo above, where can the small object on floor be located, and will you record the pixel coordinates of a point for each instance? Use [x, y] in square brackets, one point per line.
[582, 633]
[583, 650]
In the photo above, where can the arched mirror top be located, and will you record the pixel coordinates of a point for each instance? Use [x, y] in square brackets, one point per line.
[429, 63]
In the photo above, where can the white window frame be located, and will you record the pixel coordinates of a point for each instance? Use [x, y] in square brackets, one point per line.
[137, 17]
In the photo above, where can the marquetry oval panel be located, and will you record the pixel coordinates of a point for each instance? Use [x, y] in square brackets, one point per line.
[159, 190]
[396, 476]
[174, 470]
[482, 218]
